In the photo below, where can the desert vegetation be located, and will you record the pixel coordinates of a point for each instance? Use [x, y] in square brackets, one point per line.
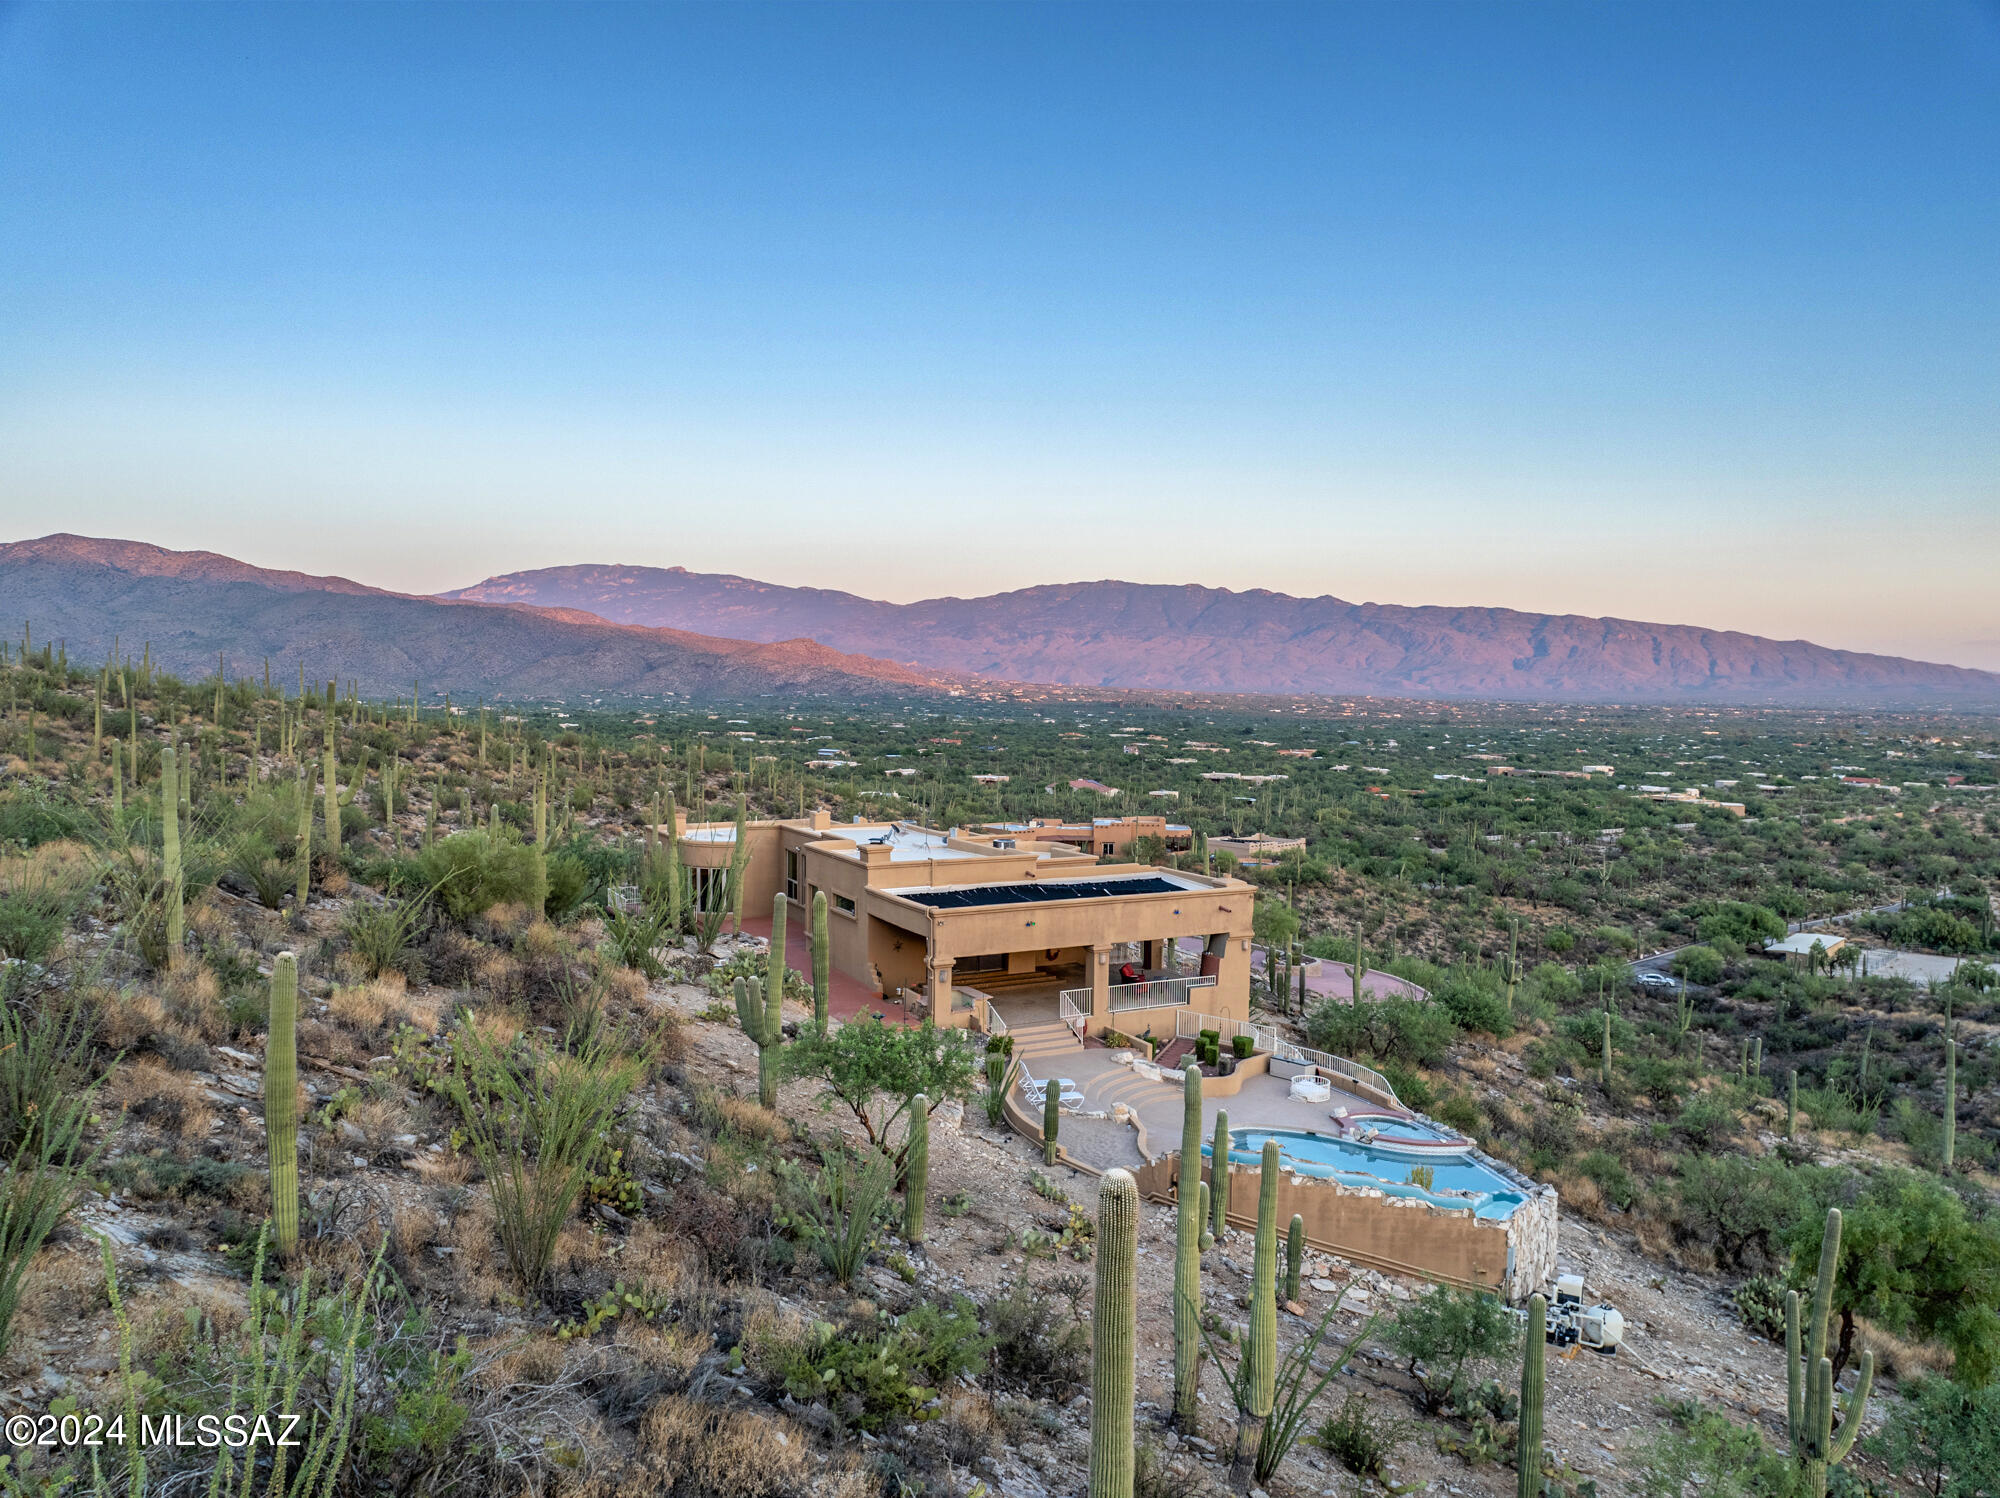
[375, 1060]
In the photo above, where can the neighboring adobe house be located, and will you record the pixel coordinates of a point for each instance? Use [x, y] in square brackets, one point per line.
[972, 922]
[1107, 837]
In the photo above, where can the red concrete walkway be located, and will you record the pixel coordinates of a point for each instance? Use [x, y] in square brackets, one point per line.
[846, 997]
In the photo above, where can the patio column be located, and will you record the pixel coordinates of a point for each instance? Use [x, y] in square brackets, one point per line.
[1100, 981]
[939, 988]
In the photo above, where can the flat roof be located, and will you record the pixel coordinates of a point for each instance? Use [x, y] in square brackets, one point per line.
[1800, 943]
[1044, 891]
[906, 843]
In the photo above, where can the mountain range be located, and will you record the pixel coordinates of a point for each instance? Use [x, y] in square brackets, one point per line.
[576, 631]
[1196, 639]
[191, 606]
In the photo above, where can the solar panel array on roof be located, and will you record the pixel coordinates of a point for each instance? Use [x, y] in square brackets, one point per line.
[1039, 894]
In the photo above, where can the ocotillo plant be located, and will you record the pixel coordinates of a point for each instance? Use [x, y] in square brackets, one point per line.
[1051, 1121]
[281, 1103]
[917, 1168]
[1187, 1256]
[170, 849]
[1809, 1376]
[1528, 1446]
[1114, 1347]
[761, 1016]
[1258, 1384]
[1218, 1175]
[1295, 1256]
[822, 956]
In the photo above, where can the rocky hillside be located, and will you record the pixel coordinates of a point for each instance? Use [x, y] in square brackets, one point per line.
[1117, 634]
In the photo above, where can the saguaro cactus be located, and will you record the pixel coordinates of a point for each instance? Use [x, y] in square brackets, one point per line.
[1259, 1375]
[759, 1013]
[281, 1103]
[822, 956]
[1809, 1376]
[1607, 1048]
[1295, 1256]
[1513, 958]
[305, 843]
[330, 797]
[1114, 1348]
[1528, 1448]
[1187, 1255]
[774, 964]
[170, 850]
[1218, 1175]
[1051, 1121]
[917, 1171]
[1950, 1102]
[1792, 1103]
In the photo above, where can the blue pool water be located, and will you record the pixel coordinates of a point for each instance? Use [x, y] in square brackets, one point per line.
[1490, 1194]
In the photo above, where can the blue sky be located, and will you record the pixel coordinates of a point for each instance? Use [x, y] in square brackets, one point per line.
[1685, 312]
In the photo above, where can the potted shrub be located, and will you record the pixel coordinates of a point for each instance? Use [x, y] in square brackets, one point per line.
[1241, 1046]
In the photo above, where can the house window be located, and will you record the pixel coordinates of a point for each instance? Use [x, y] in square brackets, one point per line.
[844, 905]
[993, 962]
[711, 889]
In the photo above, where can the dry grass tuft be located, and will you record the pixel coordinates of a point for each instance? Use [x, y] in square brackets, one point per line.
[169, 1101]
[192, 999]
[695, 1449]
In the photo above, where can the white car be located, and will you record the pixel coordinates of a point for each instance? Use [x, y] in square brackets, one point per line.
[1655, 981]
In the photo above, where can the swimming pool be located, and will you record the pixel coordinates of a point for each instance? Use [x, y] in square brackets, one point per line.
[1457, 1181]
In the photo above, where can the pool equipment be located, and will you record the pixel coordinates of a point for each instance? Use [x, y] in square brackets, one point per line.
[1600, 1327]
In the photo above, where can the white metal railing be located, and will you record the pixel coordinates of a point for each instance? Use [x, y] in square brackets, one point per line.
[1188, 1024]
[1071, 1015]
[996, 1023]
[1157, 993]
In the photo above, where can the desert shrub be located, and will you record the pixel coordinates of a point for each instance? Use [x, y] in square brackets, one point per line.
[1707, 1119]
[39, 1185]
[1448, 1335]
[1611, 1176]
[838, 1209]
[34, 912]
[633, 940]
[1360, 1440]
[1460, 1111]
[692, 1449]
[1664, 1082]
[1403, 1030]
[1476, 1005]
[1738, 1207]
[878, 1368]
[1703, 1451]
[30, 817]
[1041, 1339]
[254, 865]
[536, 1122]
[1945, 1436]
[475, 871]
[1409, 1085]
[1699, 964]
[383, 936]
[45, 1042]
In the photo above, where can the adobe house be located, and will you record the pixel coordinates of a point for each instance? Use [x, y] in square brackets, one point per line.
[968, 924]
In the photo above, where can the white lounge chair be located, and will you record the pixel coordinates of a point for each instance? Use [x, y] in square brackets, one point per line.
[1068, 1095]
[1308, 1088]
